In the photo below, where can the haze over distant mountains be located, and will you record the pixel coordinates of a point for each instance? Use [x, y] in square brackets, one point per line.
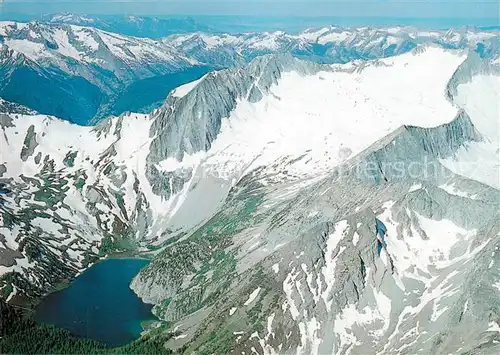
[138, 26]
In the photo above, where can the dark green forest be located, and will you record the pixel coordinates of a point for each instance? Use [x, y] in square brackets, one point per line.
[19, 334]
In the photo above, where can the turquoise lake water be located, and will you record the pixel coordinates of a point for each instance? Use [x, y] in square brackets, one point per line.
[99, 304]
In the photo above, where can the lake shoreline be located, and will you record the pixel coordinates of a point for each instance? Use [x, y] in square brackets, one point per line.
[31, 303]
[95, 290]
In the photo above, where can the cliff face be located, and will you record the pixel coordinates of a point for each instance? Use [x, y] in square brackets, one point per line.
[189, 124]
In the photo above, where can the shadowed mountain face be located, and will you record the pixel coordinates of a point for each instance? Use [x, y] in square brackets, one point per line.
[54, 92]
[288, 206]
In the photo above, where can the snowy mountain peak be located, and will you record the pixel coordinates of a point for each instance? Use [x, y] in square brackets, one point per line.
[332, 44]
[59, 62]
[71, 18]
[41, 41]
[213, 98]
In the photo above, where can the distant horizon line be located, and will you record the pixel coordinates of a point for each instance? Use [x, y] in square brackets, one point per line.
[437, 18]
[289, 23]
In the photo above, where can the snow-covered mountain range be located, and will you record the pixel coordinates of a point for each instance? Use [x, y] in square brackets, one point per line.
[331, 44]
[80, 72]
[288, 206]
[84, 74]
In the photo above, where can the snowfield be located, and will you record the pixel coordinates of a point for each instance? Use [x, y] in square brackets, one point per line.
[322, 120]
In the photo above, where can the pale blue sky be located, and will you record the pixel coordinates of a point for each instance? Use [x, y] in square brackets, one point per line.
[485, 9]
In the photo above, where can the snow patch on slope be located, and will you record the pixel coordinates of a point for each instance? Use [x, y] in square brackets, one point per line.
[65, 47]
[31, 50]
[185, 89]
[85, 37]
[252, 296]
